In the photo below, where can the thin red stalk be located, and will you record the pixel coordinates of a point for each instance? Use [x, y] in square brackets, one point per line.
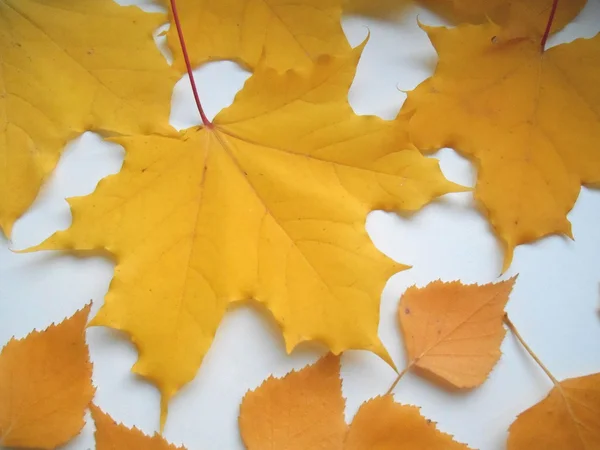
[207, 123]
[549, 25]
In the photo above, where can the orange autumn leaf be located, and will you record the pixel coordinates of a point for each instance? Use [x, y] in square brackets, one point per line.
[110, 435]
[305, 410]
[258, 205]
[530, 16]
[286, 34]
[45, 385]
[382, 424]
[567, 419]
[530, 122]
[452, 332]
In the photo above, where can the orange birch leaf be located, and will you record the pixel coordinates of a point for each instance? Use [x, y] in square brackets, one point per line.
[54, 87]
[530, 121]
[45, 385]
[382, 424]
[305, 410]
[530, 16]
[452, 332]
[259, 205]
[285, 33]
[567, 419]
[113, 436]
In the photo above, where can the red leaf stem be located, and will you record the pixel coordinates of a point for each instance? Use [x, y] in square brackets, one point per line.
[207, 123]
[549, 25]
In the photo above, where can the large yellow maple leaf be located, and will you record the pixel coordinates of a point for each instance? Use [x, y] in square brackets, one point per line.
[530, 121]
[53, 86]
[285, 33]
[305, 410]
[268, 203]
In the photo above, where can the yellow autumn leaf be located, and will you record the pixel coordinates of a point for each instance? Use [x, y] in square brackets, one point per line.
[530, 16]
[269, 203]
[567, 419]
[285, 33]
[305, 410]
[54, 86]
[530, 121]
[110, 435]
[45, 385]
[452, 332]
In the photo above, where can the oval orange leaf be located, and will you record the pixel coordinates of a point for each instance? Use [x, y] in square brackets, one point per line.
[45, 385]
[452, 332]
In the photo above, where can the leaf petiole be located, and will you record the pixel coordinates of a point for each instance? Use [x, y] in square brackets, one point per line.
[400, 375]
[549, 25]
[207, 123]
[513, 329]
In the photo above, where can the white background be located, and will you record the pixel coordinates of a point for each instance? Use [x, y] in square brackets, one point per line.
[554, 303]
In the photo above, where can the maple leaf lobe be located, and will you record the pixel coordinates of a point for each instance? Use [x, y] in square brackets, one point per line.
[53, 88]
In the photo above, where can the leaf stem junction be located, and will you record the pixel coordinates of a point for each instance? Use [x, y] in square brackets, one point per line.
[549, 25]
[207, 123]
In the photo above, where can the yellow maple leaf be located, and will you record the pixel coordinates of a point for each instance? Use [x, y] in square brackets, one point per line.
[45, 385]
[305, 410]
[54, 87]
[110, 435]
[268, 203]
[452, 332]
[529, 16]
[567, 419]
[285, 33]
[528, 120]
